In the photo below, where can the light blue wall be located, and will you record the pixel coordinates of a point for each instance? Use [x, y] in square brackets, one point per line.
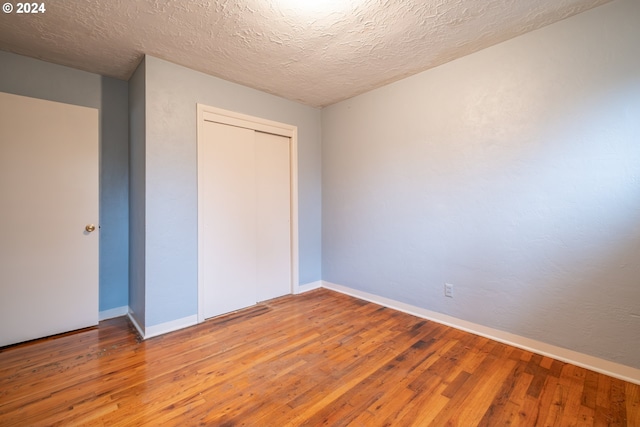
[38, 79]
[114, 194]
[25, 76]
[513, 174]
[172, 93]
[137, 180]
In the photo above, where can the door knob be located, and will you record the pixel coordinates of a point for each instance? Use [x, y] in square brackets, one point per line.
[90, 228]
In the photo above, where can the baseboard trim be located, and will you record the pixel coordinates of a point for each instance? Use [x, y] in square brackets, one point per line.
[616, 370]
[308, 287]
[113, 312]
[174, 325]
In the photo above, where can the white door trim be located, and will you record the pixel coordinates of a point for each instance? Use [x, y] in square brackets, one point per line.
[218, 115]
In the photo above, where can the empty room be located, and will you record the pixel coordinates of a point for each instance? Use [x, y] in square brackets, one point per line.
[322, 212]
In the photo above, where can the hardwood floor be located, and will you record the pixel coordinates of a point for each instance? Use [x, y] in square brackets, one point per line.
[320, 358]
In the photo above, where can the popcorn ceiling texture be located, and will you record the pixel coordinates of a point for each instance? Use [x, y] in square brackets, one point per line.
[317, 57]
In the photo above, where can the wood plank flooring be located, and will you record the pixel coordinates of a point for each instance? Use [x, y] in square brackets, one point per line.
[315, 359]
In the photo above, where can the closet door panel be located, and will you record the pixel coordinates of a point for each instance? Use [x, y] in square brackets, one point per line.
[273, 199]
[228, 180]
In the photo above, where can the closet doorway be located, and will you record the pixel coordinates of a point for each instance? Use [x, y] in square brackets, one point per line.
[247, 233]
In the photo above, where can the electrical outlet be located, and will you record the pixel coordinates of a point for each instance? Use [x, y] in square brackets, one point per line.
[448, 290]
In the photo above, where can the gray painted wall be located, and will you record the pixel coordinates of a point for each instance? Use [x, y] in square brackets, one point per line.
[137, 179]
[513, 174]
[172, 93]
[25, 76]
[114, 194]
[38, 79]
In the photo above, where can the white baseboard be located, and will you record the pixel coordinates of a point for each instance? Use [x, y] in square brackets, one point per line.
[308, 287]
[174, 325]
[596, 364]
[163, 328]
[113, 312]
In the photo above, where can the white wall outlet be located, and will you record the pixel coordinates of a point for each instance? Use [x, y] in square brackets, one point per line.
[448, 290]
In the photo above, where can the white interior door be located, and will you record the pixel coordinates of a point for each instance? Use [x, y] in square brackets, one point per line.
[244, 196]
[48, 194]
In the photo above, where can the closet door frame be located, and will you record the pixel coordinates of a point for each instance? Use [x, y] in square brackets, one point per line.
[213, 114]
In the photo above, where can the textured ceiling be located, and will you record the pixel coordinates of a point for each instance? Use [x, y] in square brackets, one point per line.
[319, 53]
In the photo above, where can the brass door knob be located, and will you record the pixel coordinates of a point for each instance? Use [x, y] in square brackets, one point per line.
[90, 228]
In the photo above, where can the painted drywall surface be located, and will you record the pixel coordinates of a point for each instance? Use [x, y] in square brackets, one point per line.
[513, 174]
[172, 93]
[114, 194]
[137, 179]
[38, 79]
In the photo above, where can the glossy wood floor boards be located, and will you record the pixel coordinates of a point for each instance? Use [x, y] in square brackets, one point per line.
[320, 358]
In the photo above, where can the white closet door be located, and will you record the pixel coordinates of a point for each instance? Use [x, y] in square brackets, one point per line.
[48, 194]
[227, 160]
[273, 193]
[245, 208]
